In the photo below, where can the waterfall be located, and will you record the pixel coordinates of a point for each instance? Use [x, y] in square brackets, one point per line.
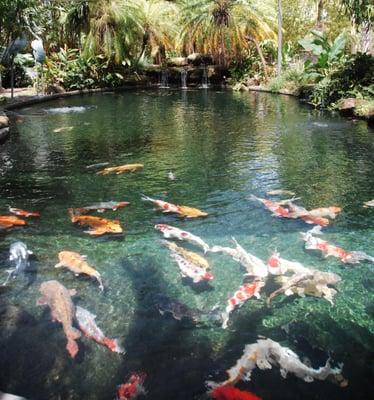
[204, 82]
[184, 79]
[164, 79]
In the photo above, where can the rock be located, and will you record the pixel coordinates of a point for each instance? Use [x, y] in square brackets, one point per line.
[4, 133]
[177, 61]
[4, 121]
[346, 106]
[54, 89]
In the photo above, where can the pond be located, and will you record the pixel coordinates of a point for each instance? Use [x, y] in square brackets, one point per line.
[222, 148]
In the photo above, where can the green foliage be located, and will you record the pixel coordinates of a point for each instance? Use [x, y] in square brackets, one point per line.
[354, 78]
[246, 68]
[72, 71]
[361, 11]
[329, 54]
[291, 80]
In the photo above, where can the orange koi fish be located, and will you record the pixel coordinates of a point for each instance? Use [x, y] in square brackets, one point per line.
[188, 255]
[120, 169]
[77, 264]
[98, 226]
[183, 211]
[23, 213]
[8, 221]
[58, 298]
[132, 388]
[274, 207]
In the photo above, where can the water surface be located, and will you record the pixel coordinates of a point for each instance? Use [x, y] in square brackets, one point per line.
[222, 147]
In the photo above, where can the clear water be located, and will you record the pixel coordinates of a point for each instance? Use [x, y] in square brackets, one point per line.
[222, 147]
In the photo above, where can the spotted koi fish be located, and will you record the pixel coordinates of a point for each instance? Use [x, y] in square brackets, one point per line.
[170, 232]
[244, 293]
[191, 270]
[274, 207]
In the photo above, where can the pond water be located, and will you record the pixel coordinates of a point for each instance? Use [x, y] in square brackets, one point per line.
[222, 147]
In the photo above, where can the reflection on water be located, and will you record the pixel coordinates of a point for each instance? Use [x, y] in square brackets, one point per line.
[222, 147]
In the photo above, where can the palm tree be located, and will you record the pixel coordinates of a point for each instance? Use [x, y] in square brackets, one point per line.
[223, 28]
[279, 60]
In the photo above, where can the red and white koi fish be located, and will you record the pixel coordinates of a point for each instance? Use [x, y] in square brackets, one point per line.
[132, 388]
[163, 205]
[87, 325]
[279, 266]
[231, 393]
[58, 298]
[170, 232]
[23, 213]
[253, 265]
[314, 217]
[347, 257]
[244, 293]
[191, 270]
[274, 207]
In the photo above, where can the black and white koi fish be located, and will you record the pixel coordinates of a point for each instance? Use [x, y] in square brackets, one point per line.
[19, 256]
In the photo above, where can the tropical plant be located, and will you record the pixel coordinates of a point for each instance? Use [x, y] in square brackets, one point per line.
[328, 54]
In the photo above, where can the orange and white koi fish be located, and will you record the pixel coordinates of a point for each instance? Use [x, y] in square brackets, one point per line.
[329, 212]
[58, 298]
[183, 211]
[274, 207]
[231, 393]
[347, 257]
[102, 206]
[191, 270]
[266, 354]
[23, 213]
[98, 226]
[253, 265]
[7, 221]
[244, 293]
[280, 266]
[132, 388]
[78, 265]
[188, 255]
[171, 232]
[87, 325]
[120, 169]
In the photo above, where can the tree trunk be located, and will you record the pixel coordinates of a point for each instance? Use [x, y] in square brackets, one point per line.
[279, 60]
[319, 21]
[262, 58]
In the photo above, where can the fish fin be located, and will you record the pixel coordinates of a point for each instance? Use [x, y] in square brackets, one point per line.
[161, 312]
[29, 252]
[72, 347]
[59, 265]
[41, 301]
[72, 292]
[113, 345]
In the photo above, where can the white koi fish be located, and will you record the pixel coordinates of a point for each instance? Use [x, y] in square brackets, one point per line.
[163, 205]
[244, 293]
[19, 255]
[191, 270]
[170, 232]
[279, 266]
[253, 265]
[266, 354]
[87, 325]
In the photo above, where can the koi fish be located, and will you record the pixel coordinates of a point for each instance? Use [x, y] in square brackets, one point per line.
[244, 293]
[231, 393]
[102, 206]
[98, 165]
[23, 213]
[279, 266]
[87, 325]
[178, 310]
[132, 388]
[274, 207]
[369, 204]
[19, 254]
[188, 255]
[280, 192]
[171, 176]
[63, 128]
[329, 212]
[98, 226]
[347, 257]
[120, 169]
[58, 298]
[253, 265]
[315, 216]
[183, 211]
[170, 232]
[78, 265]
[266, 354]
[191, 270]
[9, 220]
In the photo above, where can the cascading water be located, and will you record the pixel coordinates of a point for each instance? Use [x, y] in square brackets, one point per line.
[164, 79]
[184, 79]
[204, 82]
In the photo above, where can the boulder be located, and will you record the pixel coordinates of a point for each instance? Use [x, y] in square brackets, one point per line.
[4, 121]
[346, 106]
[54, 89]
[4, 132]
[177, 61]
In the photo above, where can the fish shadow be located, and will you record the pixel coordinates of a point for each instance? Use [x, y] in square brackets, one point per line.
[199, 287]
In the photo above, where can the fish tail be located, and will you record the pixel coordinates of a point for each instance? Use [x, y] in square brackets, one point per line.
[146, 198]
[113, 345]
[72, 347]
[74, 333]
[98, 277]
[72, 215]
[254, 198]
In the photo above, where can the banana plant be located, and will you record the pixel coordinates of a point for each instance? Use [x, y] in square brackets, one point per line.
[329, 54]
